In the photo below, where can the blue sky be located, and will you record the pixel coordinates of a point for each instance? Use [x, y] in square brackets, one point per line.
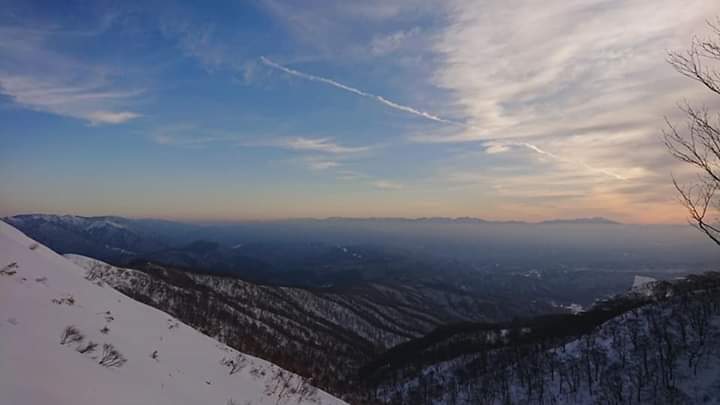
[274, 109]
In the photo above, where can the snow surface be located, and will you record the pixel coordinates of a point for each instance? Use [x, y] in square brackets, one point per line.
[640, 281]
[41, 293]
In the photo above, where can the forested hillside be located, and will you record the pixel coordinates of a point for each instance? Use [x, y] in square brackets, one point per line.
[659, 344]
[321, 334]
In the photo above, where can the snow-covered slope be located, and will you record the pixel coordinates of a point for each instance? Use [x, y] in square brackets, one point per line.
[42, 294]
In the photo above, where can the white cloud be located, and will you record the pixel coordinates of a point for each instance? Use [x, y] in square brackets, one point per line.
[324, 145]
[38, 77]
[494, 148]
[191, 135]
[583, 82]
[110, 117]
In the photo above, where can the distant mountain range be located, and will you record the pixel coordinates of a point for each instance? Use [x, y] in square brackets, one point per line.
[593, 220]
[473, 220]
[335, 251]
[119, 239]
[105, 237]
[264, 252]
[123, 221]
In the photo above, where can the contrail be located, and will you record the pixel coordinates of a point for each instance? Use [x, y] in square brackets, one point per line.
[429, 116]
[562, 159]
[359, 92]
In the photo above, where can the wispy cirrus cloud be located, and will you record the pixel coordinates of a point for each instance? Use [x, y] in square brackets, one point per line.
[326, 153]
[392, 42]
[583, 81]
[198, 41]
[85, 101]
[35, 75]
[317, 154]
[352, 29]
[324, 145]
[192, 135]
[320, 163]
[187, 135]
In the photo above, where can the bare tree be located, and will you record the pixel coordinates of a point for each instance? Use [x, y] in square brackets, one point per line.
[71, 335]
[111, 357]
[89, 347]
[699, 144]
[236, 364]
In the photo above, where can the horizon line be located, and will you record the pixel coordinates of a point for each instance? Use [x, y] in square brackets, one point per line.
[579, 220]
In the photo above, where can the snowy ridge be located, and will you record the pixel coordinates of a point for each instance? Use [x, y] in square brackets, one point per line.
[644, 285]
[85, 223]
[45, 298]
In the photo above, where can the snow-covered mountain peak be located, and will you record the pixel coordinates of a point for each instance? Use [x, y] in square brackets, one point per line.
[67, 340]
[105, 224]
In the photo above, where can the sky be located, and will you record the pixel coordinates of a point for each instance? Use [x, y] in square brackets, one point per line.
[261, 109]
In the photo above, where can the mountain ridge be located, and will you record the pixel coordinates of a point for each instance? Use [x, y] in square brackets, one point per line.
[440, 219]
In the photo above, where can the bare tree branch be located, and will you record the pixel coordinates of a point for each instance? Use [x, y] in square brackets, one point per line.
[699, 144]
